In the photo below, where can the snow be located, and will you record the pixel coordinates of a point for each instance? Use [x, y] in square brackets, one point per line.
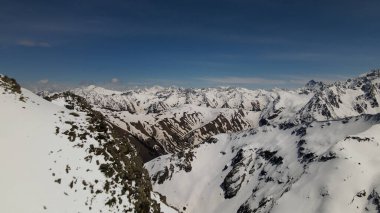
[325, 159]
[341, 178]
[42, 171]
[31, 153]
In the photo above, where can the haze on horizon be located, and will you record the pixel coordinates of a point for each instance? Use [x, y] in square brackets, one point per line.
[128, 43]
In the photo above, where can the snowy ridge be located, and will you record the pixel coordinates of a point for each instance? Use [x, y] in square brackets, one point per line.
[178, 118]
[357, 96]
[61, 158]
[167, 120]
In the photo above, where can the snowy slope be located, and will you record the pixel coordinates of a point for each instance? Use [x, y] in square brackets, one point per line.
[314, 167]
[48, 161]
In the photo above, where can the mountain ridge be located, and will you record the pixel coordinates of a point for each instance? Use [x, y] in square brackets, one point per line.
[178, 118]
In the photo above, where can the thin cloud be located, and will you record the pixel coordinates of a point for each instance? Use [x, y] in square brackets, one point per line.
[317, 57]
[280, 81]
[252, 39]
[302, 80]
[31, 43]
[289, 81]
[43, 81]
[242, 80]
[115, 80]
[47, 85]
[300, 56]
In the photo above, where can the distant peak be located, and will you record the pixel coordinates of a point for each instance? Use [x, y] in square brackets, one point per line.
[372, 74]
[313, 84]
[90, 87]
[98, 90]
[154, 88]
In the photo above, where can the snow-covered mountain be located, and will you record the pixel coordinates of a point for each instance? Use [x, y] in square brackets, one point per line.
[313, 149]
[343, 99]
[328, 166]
[167, 120]
[170, 119]
[321, 157]
[62, 156]
[176, 118]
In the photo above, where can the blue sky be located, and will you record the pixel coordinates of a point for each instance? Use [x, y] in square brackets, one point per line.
[198, 43]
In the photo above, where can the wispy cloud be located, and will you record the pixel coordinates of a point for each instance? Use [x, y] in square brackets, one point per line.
[297, 56]
[306, 56]
[285, 81]
[301, 80]
[43, 81]
[254, 39]
[47, 85]
[32, 43]
[243, 80]
[279, 81]
[115, 80]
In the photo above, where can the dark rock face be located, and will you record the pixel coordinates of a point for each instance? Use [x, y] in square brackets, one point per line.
[10, 84]
[270, 156]
[286, 125]
[180, 133]
[315, 85]
[256, 106]
[181, 160]
[244, 209]
[358, 139]
[300, 131]
[233, 181]
[161, 176]
[264, 203]
[263, 122]
[157, 107]
[327, 157]
[373, 201]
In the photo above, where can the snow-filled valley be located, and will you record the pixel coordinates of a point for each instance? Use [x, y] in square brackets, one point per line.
[90, 149]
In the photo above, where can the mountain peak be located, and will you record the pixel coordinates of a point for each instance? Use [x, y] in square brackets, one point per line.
[9, 84]
[312, 84]
[373, 74]
[91, 87]
[97, 90]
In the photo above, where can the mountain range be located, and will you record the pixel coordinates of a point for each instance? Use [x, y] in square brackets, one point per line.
[312, 149]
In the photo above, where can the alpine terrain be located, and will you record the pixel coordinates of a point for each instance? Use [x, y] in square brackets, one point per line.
[90, 149]
[315, 149]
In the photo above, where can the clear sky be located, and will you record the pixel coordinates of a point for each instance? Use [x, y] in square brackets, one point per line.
[198, 43]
